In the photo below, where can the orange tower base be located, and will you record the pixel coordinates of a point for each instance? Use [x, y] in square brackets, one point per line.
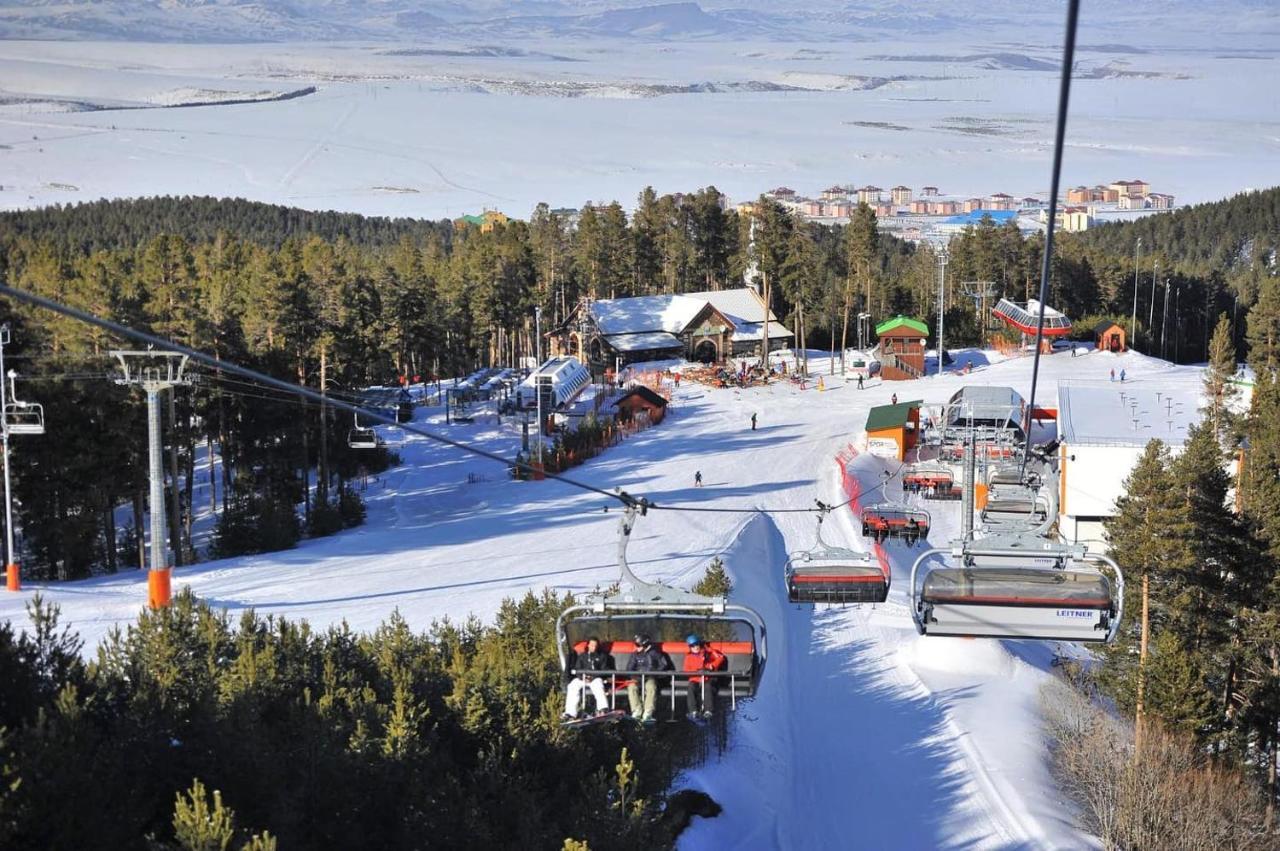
[13, 578]
[158, 593]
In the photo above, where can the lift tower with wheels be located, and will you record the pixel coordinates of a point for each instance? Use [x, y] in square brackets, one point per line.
[155, 372]
[19, 418]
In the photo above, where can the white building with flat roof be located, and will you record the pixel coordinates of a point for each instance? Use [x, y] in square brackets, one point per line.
[1104, 427]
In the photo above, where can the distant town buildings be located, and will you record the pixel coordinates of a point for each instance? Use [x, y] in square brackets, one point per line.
[1071, 219]
[1125, 194]
[930, 215]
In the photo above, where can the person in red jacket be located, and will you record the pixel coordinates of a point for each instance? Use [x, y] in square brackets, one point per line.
[702, 690]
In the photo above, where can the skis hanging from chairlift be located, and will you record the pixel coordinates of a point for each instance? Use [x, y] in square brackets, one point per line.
[827, 574]
[666, 615]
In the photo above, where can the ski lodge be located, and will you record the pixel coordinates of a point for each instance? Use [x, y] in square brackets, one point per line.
[1103, 429]
[704, 326]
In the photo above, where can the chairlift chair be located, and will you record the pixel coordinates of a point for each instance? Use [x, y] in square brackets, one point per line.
[24, 418]
[21, 417]
[895, 520]
[1027, 503]
[930, 479]
[1018, 586]
[362, 438]
[827, 574]
[667, 615]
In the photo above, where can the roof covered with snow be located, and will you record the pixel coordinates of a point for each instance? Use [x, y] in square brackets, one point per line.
[644, 341]
[673, 313]
[1115, 413]
[670, 313]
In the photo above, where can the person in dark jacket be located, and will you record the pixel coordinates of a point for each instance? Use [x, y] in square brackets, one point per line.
[590, 659]
[646, 659]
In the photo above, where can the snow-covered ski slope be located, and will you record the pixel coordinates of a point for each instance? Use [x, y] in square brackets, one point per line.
[863, 736]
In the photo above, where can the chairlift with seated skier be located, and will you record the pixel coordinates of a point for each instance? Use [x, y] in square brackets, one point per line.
[895, 520]
[667, 616]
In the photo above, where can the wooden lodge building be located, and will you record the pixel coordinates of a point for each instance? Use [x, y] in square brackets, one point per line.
[902, 343]
[704, 326]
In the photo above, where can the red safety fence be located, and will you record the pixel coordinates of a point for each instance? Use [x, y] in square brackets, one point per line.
[853, 492]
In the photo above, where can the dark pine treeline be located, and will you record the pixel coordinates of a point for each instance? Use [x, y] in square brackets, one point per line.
[447, 738]
[1212, 258]
[342, 301]
[325, 300]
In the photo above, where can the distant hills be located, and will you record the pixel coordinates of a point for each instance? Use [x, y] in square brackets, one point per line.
[412, 20]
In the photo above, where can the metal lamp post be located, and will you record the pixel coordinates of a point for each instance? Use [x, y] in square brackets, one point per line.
[1133, 323]
[537, 342]
[943, 256]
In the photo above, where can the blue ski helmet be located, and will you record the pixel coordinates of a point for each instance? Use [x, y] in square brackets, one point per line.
[693, 641]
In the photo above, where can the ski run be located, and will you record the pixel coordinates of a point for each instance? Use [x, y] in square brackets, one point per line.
[863, 734]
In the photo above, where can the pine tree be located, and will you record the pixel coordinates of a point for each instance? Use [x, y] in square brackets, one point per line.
[1218, 387]
[199, 825]
[860, 240]
[1264, 328]
[646, 227]
[715, 582]
[1150, 536]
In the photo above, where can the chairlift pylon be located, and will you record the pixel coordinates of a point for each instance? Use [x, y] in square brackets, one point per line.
[1018, 586]
[667, 615]
[828, 574]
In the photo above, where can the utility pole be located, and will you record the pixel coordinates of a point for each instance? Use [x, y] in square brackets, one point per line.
[155, 372]
[943, 256]
[1133, 324]
[537, 388]
[1164, 317]
[1151, 318]
[19, 418]
[13, 574]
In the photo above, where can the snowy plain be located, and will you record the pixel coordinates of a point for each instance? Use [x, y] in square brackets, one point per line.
[915, 742]
[436, 128]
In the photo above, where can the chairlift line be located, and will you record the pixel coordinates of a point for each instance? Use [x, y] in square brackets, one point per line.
[1060, 131]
